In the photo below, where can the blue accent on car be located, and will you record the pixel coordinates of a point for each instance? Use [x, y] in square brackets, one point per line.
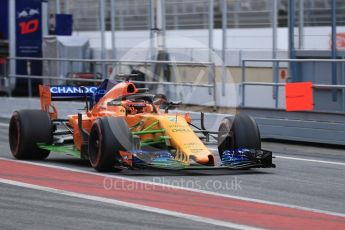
[234, 156]
[99, 92]
[92, 93]
[72, 91]
[142, 157]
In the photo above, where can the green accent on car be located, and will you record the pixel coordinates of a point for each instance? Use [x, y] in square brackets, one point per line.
[68, 149]
[164, 137]
[149, 132]
[159, 140]
[150, 126]
[143, 144]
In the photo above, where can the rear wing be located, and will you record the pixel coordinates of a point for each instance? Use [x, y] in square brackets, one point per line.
[90, 94]
[64, 93]
[48, 94]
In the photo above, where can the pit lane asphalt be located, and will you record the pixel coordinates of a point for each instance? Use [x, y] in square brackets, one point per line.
[314, 184]
[24, 208]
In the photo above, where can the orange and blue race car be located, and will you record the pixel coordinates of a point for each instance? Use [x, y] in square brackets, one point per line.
[126, 127]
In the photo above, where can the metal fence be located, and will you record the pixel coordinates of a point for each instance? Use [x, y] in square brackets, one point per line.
[134, 14]
[218, 24]
[268, 19]
[275, 84]
[124, 15]
[118, 67]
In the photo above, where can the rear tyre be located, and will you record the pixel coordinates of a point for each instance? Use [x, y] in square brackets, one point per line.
[27, 129]
[108, 136]
[236, 132]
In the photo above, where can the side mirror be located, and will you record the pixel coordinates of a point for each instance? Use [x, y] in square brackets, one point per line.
[163, 103]
[171, 104]
[160, 100]
[175, 103]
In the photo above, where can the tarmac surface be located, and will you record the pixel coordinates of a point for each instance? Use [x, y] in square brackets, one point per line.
[306, 176]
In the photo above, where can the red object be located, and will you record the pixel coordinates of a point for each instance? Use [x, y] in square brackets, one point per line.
[216, 207]
[29, 27]
[2, 61]
[341, 40]
[299, 96]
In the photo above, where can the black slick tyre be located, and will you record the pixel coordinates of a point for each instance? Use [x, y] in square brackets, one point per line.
[240, 131]
[108, 136]
[27, 129]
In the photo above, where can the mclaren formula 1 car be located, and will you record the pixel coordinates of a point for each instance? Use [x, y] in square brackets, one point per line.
[126, 127]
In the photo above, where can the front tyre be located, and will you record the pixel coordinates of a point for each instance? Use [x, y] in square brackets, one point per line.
[28, 128]
[237, 132]
[108, 136]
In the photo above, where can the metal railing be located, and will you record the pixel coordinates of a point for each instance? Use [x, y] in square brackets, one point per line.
[134, 14]
[118, 64]
[275, 84]
[211, 85]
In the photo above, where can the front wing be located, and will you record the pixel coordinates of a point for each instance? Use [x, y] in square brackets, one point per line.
[231, 159]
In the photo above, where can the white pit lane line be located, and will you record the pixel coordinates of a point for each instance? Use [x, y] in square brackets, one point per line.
[4, 125]
[183, 188]
[131, 205]
[310, 160]
[203, 191]
[300, 159]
